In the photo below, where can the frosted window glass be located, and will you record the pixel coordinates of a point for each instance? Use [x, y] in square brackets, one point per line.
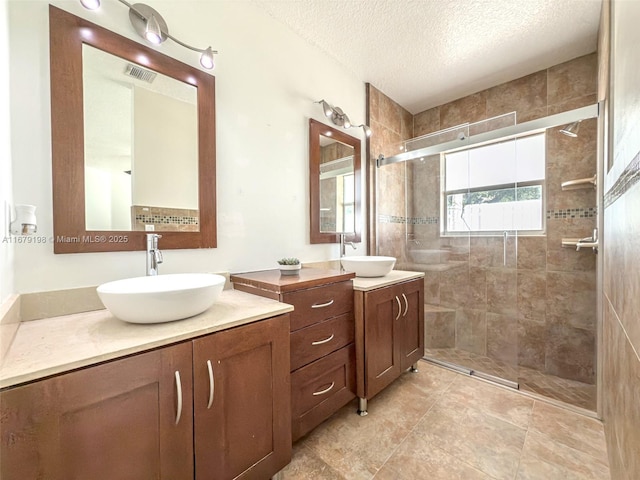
[504, 163]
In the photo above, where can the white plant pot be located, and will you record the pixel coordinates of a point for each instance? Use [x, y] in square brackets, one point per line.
[290, 269]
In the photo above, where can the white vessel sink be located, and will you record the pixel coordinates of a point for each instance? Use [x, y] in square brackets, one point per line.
[368, 266]
[161, 298]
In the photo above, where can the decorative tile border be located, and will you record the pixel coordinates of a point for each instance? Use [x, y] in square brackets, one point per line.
[588, 212]
[627, 179]
[408, 220]
[165, 219]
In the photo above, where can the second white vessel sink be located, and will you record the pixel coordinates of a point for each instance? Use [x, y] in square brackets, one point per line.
[161, 298]
[368, 266]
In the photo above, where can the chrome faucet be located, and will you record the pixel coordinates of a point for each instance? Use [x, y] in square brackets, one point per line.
[154, 255]
[343, 243]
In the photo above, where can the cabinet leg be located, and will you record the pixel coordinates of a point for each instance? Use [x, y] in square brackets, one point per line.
[414, 368]
[362, 407]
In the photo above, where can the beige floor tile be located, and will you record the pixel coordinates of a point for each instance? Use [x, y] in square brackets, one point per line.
[418, 459]
[543, 458]
[572, 429]
[306, 466]
[488, 443]
[354, 446]
[493, 400]
[442, 425]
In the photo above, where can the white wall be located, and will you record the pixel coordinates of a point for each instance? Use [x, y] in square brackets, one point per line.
[266, 81]
[6, 249]
[165, 173]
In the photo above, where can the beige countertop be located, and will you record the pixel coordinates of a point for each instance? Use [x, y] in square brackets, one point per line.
[395, 276]
[54, 345]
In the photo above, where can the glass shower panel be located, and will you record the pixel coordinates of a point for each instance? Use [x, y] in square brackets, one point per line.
[505, 297]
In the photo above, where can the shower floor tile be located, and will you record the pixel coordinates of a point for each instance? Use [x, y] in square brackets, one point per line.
[575, 393]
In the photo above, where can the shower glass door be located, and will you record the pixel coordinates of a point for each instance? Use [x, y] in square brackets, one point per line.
[494, 227]
[465, 210]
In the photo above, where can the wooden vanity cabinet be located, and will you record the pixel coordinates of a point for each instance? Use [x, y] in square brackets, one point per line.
[389, 333]
[159, 414]
[323, 376]
[241, 402]
[114, 420]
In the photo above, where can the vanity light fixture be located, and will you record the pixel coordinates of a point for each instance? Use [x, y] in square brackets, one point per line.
[338, 117]
[150, 25]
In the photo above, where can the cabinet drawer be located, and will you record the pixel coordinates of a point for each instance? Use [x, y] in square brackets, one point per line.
[321, 388]
[316, 341]
[316, 304]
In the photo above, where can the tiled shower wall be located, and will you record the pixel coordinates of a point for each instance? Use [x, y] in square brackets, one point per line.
[621, 272]
[539, 309]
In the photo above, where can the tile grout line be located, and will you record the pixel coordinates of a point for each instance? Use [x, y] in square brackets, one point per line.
[412, 429]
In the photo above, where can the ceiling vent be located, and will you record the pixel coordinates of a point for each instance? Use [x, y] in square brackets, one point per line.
[140, 73]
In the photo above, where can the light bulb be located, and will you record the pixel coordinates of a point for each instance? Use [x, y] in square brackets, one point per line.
[206, 59]
[347, 122]
[328, 110]
[90, 4]
[152, 31]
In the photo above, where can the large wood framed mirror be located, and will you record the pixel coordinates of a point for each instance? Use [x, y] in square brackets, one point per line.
[133, 143]
[334, 181]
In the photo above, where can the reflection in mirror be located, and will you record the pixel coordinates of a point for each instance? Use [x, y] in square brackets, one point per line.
[336, 187]
[334, 166]
[141, 147]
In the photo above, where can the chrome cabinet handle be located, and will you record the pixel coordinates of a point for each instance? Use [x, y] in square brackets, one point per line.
[399, 307]
[326, 390]
[179, 394]
[322, 305]
[320, 342]
[211, 384]
[406, 305]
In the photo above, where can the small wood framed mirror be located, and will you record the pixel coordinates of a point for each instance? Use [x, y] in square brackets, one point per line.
[334, 184]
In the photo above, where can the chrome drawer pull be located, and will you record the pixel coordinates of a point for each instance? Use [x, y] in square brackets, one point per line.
[179, 392]
[399, 307]
[406, 305]
[321, 305]
[211, 384]
[322, 392]
[320, 342]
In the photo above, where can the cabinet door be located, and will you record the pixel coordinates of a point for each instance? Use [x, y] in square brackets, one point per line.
[412, 322]
[382, 312]
[242, 401]
[116, 420]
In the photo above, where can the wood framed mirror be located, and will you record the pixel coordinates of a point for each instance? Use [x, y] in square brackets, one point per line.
[334, 184]
[83, 219]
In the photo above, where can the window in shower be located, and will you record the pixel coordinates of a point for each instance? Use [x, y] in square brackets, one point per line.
[496, 187]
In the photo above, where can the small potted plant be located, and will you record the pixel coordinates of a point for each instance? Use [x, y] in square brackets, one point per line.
[289, 266]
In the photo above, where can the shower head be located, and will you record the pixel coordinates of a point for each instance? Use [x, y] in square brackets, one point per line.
[571, 130]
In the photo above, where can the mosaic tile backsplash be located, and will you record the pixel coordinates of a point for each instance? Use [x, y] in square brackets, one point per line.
[165, 219]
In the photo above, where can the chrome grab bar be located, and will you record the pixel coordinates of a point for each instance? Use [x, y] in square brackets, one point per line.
[588, 242]
[320, 342]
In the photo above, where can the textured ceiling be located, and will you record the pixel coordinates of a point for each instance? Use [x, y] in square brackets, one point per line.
[423, 53]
